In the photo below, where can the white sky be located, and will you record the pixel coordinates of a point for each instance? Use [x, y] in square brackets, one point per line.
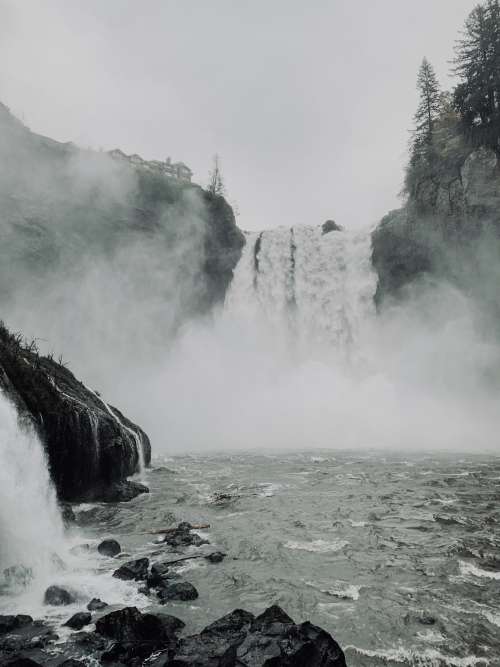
[307, 103]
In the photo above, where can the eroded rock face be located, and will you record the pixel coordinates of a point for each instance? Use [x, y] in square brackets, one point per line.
[449, 229]
[91, 447]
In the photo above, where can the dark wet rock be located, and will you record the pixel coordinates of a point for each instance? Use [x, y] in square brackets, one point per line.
[27, 639]
[89, 642]
[290, 646]
[426, 619]
[181, 590]
[215, 645]
[230, 625]
[71, 662]
[269, 618]
[122, 492]
[491, 563]
[215, 557]
[109, 548]
[133, 569]
[160, 575]
[330, 226]
[445, 519]
[79, 620]
[89, 451]
[163, 469]
[96, 605]
[130, 624]
[182, 536]
[57, 596]
[241, 640]
[93, 515]
[135, 653]
[223, 499]
[11, 622]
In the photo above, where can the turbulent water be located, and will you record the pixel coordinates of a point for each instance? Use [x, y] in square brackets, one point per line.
[399, 558]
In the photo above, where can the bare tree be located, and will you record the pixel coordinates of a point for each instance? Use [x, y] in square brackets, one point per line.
[216, 182]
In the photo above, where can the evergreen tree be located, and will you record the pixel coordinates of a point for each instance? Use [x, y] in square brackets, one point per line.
[477, 63]
[428, 109]
[216, 182]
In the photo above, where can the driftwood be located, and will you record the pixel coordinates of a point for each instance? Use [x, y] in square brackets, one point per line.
[160, 531]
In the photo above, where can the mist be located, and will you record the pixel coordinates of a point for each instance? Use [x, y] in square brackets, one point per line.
[259, 372]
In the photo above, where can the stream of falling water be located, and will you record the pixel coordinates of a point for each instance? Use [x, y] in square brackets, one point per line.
[313, 289]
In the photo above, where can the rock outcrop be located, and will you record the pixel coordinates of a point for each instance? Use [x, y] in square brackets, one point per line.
[130, 637]
[62, 208]
[91, 447]
[449, 227]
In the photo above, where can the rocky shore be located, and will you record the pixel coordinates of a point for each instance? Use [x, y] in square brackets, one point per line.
[116, 637]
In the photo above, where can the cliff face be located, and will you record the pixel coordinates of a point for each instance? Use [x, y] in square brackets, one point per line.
[91, 447]
[449, 227]
[62, 206]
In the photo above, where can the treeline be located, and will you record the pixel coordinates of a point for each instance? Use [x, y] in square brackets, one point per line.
[470, 111]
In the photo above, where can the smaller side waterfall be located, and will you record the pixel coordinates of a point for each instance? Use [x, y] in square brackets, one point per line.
[136, 437]
[31, 527]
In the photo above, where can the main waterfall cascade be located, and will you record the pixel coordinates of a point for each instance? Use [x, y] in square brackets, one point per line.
[315, 289]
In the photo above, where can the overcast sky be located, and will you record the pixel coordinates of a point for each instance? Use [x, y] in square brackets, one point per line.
[307, 103]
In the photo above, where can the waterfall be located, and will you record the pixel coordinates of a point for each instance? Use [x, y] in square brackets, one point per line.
[136, 437]
[313, 289]
[31, 528]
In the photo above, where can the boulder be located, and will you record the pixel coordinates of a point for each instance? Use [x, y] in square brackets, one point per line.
[181, 590]
[10, 622]
[330, 226]
[130, 624]
[96, 605]
[57, 596]
[289, 645]
[121, 492]
[216, 557]
[133, 569]
[240, 639]
[182, 536]
[109, 548]
[79, 620]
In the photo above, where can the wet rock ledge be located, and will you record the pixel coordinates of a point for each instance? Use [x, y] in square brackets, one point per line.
[91, 447]
[130, 637]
